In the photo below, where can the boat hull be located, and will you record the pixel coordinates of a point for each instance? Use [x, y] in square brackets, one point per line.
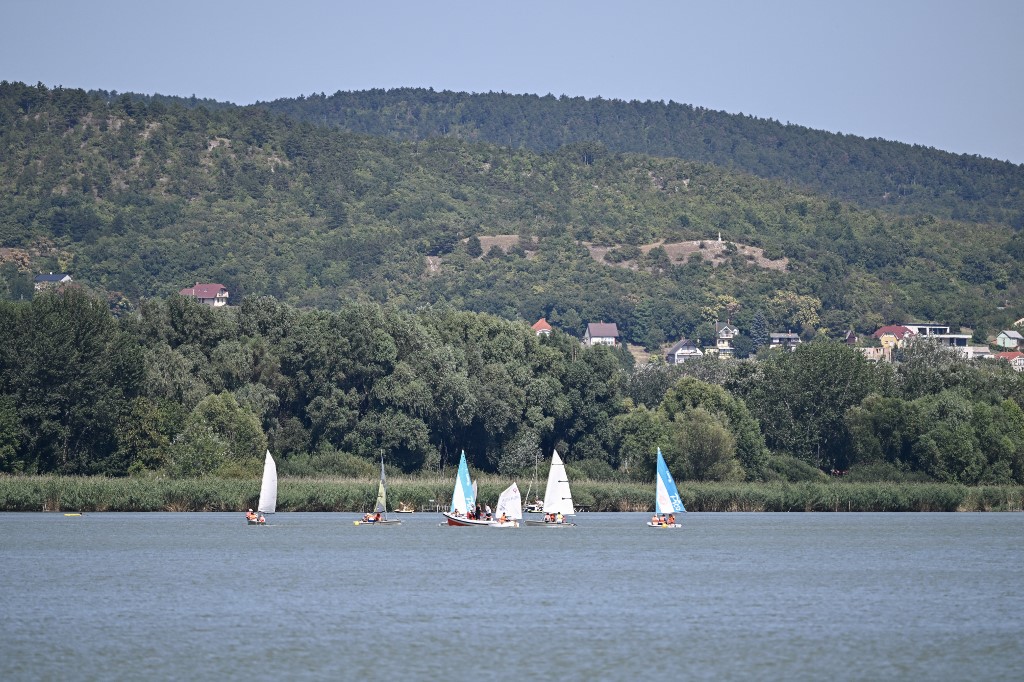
[255, 523]
[663, 525]
[550, 524]
[462, 521]
[382, 522]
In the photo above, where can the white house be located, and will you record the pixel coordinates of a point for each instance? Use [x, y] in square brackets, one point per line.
[45, 281]
[682, 351]
[215, 295]
[601, 334]
[784, 340]
[724, 334]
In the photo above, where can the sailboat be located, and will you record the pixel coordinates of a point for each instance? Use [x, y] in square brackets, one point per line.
[463, 508]
[667, 502]
[557, 497]
[379, 515]
[510, 507]
[268, 494]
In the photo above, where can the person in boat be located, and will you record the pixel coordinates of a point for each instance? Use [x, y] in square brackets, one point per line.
[559, 518]
[672, 519]
[487, 512]
[503, 519]
[367, 517]
[250, 516]
[261, 519]
[376, 517]
[654, 520]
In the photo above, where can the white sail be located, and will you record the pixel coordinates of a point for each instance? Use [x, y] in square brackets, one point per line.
[510, 504]
[381, 507]
[268, 489]
[557, 496]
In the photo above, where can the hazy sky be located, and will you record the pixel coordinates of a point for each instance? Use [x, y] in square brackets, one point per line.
[935, 72]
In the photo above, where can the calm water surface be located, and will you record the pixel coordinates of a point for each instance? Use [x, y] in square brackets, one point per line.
[734, 596]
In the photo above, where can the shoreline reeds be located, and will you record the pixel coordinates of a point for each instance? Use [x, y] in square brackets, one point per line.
[97, 494]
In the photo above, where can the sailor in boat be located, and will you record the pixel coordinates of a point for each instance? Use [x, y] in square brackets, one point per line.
[672, 519]
[250, 516]
[261, 519]
[487, 512]
[559, 518]
[503, 519]
[655, 520]
[367, 518]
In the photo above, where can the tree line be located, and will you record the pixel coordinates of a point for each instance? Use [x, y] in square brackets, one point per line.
[183, 390]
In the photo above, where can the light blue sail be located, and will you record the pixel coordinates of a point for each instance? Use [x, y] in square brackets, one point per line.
[463, 500]
[667, 500]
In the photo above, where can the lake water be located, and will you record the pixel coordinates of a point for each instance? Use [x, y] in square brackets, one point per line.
[733, 596]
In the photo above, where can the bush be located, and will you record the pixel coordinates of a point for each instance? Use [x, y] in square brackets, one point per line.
[789, 468]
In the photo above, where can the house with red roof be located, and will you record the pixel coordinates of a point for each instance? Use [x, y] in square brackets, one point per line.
[541, 327]
[215, 295]
[1014, 357]
[894, 336]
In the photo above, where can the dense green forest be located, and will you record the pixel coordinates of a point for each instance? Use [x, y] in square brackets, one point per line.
[184, 390]
[869, 172]
[141, 198]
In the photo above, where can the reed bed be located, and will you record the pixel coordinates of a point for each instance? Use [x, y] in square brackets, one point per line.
[430, 493]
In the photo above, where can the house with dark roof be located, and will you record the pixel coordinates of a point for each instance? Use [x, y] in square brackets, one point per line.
[215, 295]
[47, 281]
[541, 327]
[682, 351]
[784, 340]
[601, 334]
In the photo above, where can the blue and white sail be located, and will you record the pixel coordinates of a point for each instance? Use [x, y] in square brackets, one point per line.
[667, 500]
[463, 499]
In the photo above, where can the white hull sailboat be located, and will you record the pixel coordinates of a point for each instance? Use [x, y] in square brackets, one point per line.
[667, 502]
[558, 505]
[379, 515]
[463, 499]
[268, 493]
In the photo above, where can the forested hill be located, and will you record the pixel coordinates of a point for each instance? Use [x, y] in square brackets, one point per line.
[870, 172]
[140, 199]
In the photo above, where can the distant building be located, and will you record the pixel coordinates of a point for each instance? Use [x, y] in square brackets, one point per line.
[851, 338]
[1015, 358]
[541, 327]
[940, 333]
[45, 281]
[601, 334]
[894, 335]
[784, 340]
[724, 335]
[682, 351]
[1009, 339]
[215, 295]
